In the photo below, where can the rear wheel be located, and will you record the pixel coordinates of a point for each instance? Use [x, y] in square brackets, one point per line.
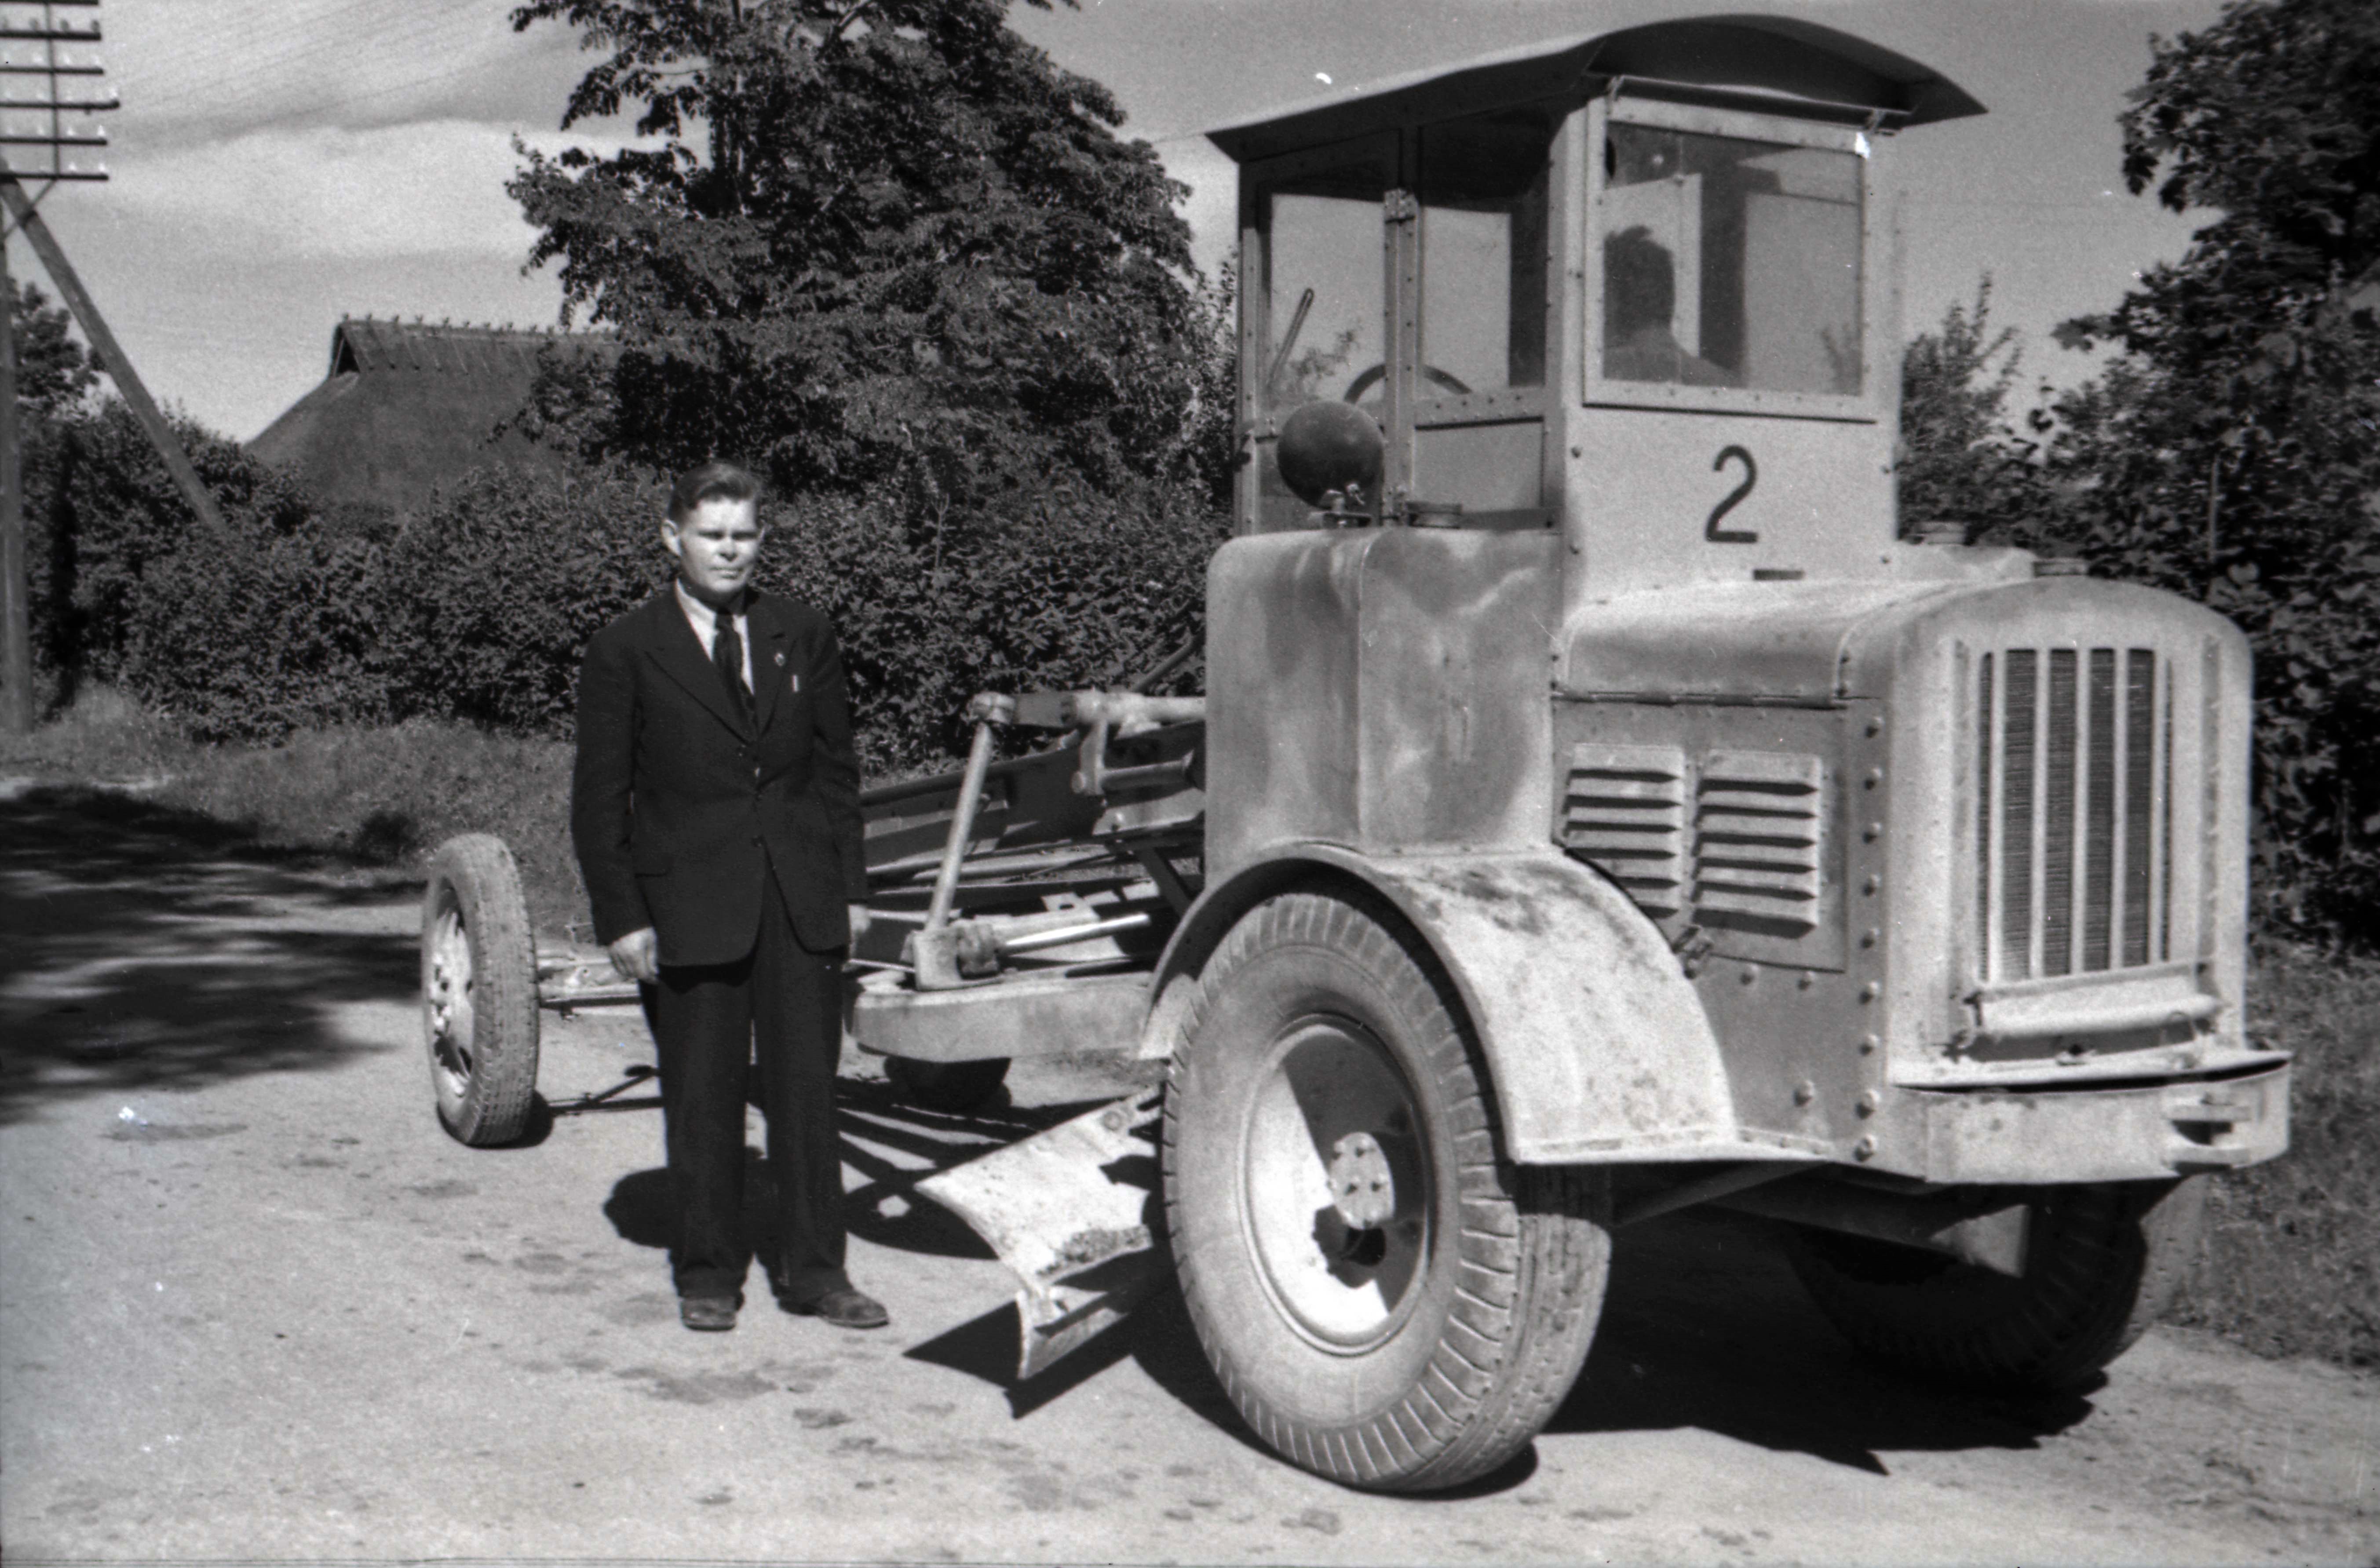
[2101, 1264]
[1387, 1303]
[479, 991]
[952, 1087]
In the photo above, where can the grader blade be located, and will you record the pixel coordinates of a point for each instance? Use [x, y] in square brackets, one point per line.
[1068, 1211]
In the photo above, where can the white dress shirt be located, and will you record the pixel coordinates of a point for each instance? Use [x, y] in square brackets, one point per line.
[705, 625]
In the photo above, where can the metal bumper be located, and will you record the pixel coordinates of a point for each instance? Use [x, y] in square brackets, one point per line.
[2100, 1135]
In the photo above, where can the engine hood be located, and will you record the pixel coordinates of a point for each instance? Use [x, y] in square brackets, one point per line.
[1815, 644]
[1776, 642]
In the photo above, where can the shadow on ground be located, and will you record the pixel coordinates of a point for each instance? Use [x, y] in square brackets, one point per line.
[1704, 1325]
[146, 948]
[885, 1207]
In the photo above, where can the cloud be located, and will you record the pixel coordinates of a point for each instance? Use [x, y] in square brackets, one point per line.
[231, 64]
[324, 193]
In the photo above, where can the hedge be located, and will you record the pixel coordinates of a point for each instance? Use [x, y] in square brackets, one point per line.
[477, 609]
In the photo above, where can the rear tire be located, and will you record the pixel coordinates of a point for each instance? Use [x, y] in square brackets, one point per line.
[2102, 1263]
[479, 991]
[954, 1087]
[1387, 1302]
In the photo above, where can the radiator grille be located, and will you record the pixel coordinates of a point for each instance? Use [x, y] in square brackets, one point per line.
[2071, 851]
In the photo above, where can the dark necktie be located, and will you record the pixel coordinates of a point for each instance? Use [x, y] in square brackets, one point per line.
[727, 653]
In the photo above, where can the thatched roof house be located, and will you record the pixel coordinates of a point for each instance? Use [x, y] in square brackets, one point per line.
[407, 406]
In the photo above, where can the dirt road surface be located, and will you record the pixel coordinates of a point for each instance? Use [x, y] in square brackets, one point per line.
[256, 1304]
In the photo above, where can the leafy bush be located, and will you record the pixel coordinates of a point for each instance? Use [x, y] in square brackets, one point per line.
[504, 580]
[507, 579]
[1960, 458]
[2229, 454]
[1079, 597]
[101, 513]
[253, 638]
[476, 609]
[2291, 1265]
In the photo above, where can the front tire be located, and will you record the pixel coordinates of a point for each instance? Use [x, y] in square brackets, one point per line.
[2101, 1265]
[479, 991]
[1387, 1303]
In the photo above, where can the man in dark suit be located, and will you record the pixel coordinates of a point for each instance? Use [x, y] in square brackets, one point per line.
[715, 808]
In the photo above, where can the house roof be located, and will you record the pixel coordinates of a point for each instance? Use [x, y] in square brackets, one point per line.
[407, 406]
[1801, 65]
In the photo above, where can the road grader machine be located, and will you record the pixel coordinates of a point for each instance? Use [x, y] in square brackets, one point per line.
[1601, 803]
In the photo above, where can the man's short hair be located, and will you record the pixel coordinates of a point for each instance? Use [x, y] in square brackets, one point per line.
[717, 480]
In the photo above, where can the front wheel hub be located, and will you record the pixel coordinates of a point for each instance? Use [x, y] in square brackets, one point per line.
[1337, 1194]
[1361, 1187]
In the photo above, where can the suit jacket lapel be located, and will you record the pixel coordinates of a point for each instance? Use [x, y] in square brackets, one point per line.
[683, 658]
[770, 670]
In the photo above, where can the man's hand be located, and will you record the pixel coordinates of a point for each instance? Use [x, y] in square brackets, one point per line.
[637, 955]
[858, 913]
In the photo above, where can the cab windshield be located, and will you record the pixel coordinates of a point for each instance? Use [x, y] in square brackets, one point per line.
[1729, 264]
[1322, 272]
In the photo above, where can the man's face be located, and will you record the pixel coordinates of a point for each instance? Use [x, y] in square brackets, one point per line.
[715, 547]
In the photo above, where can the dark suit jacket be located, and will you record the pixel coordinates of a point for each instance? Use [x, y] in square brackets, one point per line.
[675, 795]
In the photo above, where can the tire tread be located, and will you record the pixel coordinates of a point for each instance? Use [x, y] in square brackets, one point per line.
[485, 880]
[2103, 1260]
[1501, 1367]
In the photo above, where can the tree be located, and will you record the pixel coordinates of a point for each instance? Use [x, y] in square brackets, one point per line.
[1960, 458]
[54, 373]
[880, 244]
[2229, 455]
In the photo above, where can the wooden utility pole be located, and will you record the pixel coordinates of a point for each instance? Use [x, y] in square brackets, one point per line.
[16, 616]
[51, 68]
[112, 356]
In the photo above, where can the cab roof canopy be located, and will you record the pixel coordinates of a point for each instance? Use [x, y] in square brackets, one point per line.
[1777, 63]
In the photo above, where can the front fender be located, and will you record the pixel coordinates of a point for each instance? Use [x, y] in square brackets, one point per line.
[1598, 1047]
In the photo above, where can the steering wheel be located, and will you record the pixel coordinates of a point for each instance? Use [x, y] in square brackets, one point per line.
[1379, 373]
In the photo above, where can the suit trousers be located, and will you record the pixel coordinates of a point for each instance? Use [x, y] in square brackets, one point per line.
[782, 1005]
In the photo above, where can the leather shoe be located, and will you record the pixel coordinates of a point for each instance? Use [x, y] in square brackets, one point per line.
[845, 1308]
[708, 1314]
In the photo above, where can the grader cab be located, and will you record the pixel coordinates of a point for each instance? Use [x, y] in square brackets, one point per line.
[1601, 802]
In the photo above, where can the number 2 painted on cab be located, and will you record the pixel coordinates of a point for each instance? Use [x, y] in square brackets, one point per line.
[1711, 531]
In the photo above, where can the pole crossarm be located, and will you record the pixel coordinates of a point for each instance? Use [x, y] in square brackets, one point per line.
[111, 353]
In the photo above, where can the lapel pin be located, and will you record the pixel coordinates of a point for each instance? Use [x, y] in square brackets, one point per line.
[781, 661]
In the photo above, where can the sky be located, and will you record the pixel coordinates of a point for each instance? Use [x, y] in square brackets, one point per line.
[279, 163]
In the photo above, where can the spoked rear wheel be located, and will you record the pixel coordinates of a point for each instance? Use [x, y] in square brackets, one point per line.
[479, 991]
[1385, 1302]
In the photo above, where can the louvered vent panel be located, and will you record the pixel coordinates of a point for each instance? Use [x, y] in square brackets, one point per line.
[1756, 821]
[1624, 808]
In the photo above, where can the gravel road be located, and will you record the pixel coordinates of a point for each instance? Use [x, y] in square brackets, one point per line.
[255, 1304]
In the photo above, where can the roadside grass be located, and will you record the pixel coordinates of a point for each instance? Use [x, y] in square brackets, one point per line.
[383, 796]
[2291, 1260]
